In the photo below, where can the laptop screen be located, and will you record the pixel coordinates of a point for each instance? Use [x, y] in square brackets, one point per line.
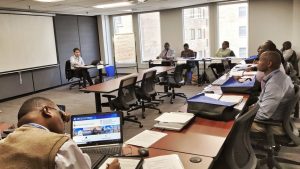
[97, 129]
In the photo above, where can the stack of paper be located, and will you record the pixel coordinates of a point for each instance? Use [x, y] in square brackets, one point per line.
[163, 162]
[126, 163]
[173, 120]
[146, 138]
[231, 98]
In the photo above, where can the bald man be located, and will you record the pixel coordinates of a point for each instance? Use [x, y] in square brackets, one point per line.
[277, 91]
[39, 141]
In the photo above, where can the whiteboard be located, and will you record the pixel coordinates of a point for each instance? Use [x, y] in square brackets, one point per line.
[26, 42]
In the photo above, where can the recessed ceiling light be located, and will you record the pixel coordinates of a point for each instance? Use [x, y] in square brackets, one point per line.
[48, 0]
[114, 5]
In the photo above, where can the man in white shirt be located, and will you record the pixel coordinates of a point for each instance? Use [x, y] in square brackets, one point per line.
[76, 65]
[167, 53]
[39, 141]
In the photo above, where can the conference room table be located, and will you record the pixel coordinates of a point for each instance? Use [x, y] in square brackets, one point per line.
[113, 85]
[201, 137]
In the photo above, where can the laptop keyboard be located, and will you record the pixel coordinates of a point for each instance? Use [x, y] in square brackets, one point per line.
[221, 80]
[111, 150]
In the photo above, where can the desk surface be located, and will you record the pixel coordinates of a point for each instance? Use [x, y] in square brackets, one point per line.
[112, 85]
[4, 126]
[185, 158]
[202, 137]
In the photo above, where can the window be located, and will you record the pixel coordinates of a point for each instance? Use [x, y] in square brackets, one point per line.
[192, 34]
[242, 11]
[149, 24]
[199, 26]
[242, 31]
[232, 27]
[124, 41]
[242, 52]
[200, 34]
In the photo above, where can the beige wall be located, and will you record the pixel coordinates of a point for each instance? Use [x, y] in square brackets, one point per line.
[172, 29]
[269, 20]
[296, 27]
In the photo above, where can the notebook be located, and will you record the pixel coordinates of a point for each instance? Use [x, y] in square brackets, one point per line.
[98, 134]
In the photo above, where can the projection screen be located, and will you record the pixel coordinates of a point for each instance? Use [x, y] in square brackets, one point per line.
[26, 41]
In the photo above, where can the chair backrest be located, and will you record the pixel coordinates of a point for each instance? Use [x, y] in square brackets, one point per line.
[148, 83]
[226, 65]
[126, 92]
[178, 77]
[238, 151]
[287, 122]
[68, 70]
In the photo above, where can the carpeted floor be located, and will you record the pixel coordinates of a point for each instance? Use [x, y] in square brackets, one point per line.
[78, 103]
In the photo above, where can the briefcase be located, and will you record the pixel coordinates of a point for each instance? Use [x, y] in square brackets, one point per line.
[206, 107]
[232, 85]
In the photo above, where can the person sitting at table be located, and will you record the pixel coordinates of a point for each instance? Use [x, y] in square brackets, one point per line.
[39, 141]
[167, 53]
[186, 54]
[290, 55]
[224, 51]
[76, 63]
[277, 90]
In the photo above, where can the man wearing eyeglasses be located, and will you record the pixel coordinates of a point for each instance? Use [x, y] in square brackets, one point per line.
[39, 141]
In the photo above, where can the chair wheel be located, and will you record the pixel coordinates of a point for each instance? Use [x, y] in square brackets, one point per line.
[141, 126]
[143, 117]
[135, 118]
[171, 102]
[159, 112]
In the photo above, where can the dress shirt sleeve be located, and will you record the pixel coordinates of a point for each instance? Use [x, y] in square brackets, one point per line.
[70, 156]
[73, 62]
[81, 61]
[287, 54]
[171, 54]
[218, 54]
[269, 101]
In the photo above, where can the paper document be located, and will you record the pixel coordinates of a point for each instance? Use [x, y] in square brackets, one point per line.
[100, 66]
[86, 66]
[146, 138]
[231, 98]
[157, 62]
[175, 117]
[252, 73]
[163, 162]
[214, 96]
[124, 163]
[181, 61]
[236, 73]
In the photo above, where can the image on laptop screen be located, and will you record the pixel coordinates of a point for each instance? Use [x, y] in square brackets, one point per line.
[96, 129]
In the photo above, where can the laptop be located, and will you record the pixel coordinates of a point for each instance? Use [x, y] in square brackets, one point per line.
[98, 134]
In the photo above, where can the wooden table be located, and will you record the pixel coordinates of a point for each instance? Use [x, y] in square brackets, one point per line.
[113, 85]
[184, 157]
[4, 126]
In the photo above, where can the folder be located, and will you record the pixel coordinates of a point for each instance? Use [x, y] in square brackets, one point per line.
[211, 108]
[233, 85]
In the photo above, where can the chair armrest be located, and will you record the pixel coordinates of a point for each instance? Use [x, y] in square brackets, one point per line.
[109, 96]
[268, 122]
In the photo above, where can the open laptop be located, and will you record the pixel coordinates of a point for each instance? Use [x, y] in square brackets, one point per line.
[98, 134]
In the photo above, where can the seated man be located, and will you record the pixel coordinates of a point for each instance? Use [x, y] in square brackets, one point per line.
[77, 61]
[290, 55]
[167, 53]
[188, 53]
[222, 52]
[39, 142]
[277, 91]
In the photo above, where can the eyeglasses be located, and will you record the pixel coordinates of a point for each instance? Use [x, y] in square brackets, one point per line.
[64, 116]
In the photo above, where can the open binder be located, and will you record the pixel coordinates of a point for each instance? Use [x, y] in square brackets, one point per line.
[211, 108]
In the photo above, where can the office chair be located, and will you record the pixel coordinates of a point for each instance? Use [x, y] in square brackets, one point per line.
[174, 80]
[274, 142]
[238, 152]
[126, 99]
[70, 75]
[146, 93]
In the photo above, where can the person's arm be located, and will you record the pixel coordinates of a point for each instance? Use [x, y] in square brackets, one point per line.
[81, 61]
[287, 54]
[269, 102]
[218, 54]
[171, 54]
[73, 62]
[114, 164]
[70, 156]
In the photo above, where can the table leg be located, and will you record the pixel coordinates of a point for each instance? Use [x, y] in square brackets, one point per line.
[100, 76]
[98, 102]
[198, 73]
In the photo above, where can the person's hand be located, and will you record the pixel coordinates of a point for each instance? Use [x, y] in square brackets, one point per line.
[114, 164]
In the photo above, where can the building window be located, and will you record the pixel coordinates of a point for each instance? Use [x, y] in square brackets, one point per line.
[200, 34]
[242, 31]
[242, 52]
[192, 34]
[242, 11]
[124, 40]
[232, 27]
[149, 26]
[199, 26]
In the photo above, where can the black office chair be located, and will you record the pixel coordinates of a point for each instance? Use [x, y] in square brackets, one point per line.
[238, 152]
[274, 142]
[126, 99]
[70, 75]
[146, 93]
[174, 80]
